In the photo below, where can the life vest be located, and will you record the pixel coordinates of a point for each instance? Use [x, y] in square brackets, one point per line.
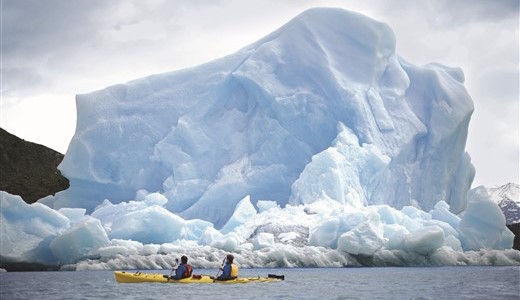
[187, 271]
[234, 271]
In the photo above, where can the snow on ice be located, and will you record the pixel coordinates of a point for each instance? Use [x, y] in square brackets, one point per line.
[315, 146]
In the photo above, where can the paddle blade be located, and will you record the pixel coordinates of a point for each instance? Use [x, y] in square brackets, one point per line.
[282, 277]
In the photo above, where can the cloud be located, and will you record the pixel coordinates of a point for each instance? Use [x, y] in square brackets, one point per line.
[47, 28]
[449, 13]
[39, 37]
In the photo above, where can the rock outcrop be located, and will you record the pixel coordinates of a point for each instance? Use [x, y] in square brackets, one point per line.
[28, 169]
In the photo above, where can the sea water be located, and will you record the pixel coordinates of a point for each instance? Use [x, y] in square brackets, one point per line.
[322, 283]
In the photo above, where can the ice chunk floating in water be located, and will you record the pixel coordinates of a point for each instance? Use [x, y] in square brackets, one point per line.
[315, 146]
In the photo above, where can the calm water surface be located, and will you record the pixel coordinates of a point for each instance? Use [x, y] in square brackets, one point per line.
[323, 283]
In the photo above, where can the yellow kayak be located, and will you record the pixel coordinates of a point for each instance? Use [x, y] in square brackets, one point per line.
[139, 277]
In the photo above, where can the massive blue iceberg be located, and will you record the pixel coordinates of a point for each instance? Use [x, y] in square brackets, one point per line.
[314, 146]
[267, 120]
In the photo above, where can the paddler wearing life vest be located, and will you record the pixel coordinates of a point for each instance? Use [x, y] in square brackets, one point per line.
[230, 270]
[184, 270]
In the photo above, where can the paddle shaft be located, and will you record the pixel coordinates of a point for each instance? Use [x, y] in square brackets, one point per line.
[221, 266]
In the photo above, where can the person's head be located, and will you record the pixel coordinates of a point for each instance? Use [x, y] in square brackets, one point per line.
[184, 259]
[230, 258]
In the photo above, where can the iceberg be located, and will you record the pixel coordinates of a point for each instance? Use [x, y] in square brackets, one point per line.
[27, 230]
[80, 241]
[506, 196]
[326, 93]
[315, 146]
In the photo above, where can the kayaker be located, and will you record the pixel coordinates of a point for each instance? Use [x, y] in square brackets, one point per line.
[184, 270]
[230, 270]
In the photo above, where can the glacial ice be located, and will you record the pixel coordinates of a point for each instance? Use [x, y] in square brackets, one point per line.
[80, 241]
[315, 146]
[321, 234]
[325, 94]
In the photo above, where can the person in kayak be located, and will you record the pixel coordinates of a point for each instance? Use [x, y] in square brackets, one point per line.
[230, 270]
[184, 270]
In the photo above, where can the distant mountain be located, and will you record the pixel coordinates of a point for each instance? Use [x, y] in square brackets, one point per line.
[507, 197]
[507, 191]
[28, 169]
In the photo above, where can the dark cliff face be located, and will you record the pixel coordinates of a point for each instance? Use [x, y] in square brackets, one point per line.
[28, 169]
[515, 228]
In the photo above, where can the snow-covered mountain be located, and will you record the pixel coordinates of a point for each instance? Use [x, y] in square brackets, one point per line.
[507, 198]
[507, 192]
[315, 146]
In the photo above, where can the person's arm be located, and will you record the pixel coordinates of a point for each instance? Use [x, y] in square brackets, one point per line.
[179, 272]
[226, 272]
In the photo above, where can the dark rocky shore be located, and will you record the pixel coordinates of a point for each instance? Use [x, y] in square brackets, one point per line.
[28, 169]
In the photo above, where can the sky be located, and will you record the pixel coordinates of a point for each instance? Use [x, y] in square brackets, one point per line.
[53, 50]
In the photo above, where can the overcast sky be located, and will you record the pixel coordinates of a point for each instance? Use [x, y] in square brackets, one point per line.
[55, 49]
